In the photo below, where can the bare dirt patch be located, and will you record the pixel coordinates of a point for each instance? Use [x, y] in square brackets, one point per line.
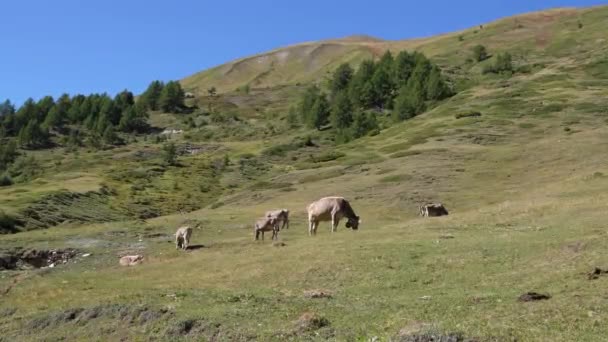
[310, 322]
[318, 293]
[19, 259]
[533, 296]
[203, 330]
[433, 337]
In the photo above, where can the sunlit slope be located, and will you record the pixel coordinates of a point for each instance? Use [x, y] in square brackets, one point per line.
[535, 36]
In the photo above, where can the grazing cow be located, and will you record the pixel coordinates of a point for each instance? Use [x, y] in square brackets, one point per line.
[266, 224]
[282, 216]
[182, 237]
[331, 209]
[433, 209]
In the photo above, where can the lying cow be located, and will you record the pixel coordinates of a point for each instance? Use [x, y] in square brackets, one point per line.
[131, 260]
[331, 209]
[182, 237]
[266, 224]
[282, 216]
[433, 209]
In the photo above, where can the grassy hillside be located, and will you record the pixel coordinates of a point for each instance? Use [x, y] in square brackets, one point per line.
[524, 183]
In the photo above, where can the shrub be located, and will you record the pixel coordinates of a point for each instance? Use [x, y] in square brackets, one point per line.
[8, 224]
[6, 180]
[480, 53]
[170, 154]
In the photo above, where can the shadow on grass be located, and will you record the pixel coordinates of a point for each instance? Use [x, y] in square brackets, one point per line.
[195, 247]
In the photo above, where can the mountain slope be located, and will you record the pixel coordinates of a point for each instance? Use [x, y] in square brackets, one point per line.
[524, 183]
[534, 35]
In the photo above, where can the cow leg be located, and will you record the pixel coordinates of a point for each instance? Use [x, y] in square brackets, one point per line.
[310, 225]
[334, 223]
[186, 242]
[314, 227]
[177, 244]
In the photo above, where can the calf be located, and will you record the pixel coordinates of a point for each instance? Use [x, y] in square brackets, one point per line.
[282, 216]
[266, 224]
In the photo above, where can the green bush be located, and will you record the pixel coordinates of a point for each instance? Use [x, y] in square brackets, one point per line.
[6, 180]
[8, 224]
[480, 53]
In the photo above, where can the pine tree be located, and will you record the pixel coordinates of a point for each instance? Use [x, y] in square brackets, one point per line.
[435, 86]
[123, 100]
[360, 90]
[382, 88]
[363, 123]
[63, 105]
[382, 81]
[44, 107]
[319, 112]
[102, 124]
[341, 78]
[341, 111]
[170, 154]
[127, 120]
[151, 96]
[53, 119]
[86, 108]
[404, 66]
[25, 135]
[409, 102]
[32, 135]
[172, 97]
[26, 113]
[7, 108]
[308, 100]
[109, 136]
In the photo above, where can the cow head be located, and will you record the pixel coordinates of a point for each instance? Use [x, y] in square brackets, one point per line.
[353, 223]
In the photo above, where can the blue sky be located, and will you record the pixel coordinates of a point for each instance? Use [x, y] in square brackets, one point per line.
[76, 46]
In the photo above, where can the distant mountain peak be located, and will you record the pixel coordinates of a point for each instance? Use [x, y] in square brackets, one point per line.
[360, 38]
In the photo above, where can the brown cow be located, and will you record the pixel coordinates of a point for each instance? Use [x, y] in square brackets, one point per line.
[433, 209]
[331, 209]
[282, 216]
[266, 224]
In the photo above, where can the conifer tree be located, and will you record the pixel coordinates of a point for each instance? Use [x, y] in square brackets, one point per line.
[341, 111]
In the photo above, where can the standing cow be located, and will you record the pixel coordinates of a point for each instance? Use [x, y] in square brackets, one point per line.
[331, 209]
[266, 224]
[282, 216]
[432, 209]
[182, 237]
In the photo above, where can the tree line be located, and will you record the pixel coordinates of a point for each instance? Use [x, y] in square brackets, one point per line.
[404, 85]
[99, 115]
